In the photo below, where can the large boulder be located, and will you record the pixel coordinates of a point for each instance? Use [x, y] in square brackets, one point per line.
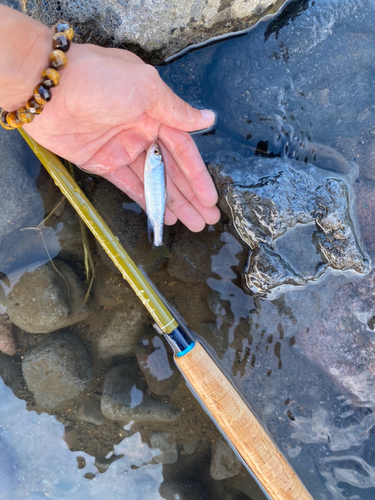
[153, 28]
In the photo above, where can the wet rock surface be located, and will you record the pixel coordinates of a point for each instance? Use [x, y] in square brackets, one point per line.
[46, 298]
[123, 401]
[57, 370]
[269, 198]
[150, 27]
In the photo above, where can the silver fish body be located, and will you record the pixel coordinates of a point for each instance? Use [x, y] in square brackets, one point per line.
[155, 192]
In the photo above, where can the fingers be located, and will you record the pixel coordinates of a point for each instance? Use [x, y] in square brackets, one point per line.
[165, 106]
[186, 155]
[210, 215]
[120, 150]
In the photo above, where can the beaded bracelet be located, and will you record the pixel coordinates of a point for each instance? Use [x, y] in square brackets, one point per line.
[50, 76]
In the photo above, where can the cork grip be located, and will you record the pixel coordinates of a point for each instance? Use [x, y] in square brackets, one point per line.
[234, 417]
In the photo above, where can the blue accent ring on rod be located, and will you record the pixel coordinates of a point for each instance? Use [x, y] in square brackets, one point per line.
[185, 351]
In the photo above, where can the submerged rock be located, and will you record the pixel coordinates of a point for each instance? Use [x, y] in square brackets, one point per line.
[120, 336]
[57, 370]
[45, 298]
[224, 462]
[123, 401]
[166, 444]
[297, 219]
[341, 340]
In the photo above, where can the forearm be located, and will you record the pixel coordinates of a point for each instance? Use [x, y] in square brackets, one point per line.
[25, 45]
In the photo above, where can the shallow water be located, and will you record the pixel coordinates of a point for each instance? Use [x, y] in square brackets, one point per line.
[301, 359]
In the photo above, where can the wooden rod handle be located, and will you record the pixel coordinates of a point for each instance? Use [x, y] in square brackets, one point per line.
[232, 415]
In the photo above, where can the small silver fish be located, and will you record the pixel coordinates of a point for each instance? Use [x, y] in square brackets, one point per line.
[155, 192]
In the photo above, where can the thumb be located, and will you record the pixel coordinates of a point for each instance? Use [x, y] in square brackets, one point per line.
[165, 106]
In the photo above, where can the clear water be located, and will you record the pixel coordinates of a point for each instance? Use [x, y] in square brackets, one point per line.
[309, 72]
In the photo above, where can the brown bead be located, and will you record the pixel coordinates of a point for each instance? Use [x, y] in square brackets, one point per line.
[3, 120]
[42, 94]
[61, 26]
[51, 78]
[61, 42]
[69, 34]
[24, 116]
[12, 120]
[33, 107]
[58, 59]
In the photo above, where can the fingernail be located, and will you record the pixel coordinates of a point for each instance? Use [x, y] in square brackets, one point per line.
[208, 113]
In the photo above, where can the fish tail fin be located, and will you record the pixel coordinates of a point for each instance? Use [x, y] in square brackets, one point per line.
[161, 250]
[155, 253]
[150, 229]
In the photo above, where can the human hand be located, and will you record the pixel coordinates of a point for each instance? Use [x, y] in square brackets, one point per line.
[108, 109]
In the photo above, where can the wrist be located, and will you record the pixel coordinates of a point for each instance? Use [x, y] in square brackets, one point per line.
[24, 53]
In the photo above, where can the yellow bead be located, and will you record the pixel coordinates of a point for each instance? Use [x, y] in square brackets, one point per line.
[41, 94]
[33, 107]
[3, 120]
[12, 120]
[69, 34]
[24, 116]
[60, 42]
[51, 78]
[58, 59]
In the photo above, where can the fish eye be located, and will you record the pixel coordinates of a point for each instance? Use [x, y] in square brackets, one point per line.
[157, 151]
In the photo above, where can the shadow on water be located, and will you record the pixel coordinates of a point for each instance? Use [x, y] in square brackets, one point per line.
[292, 87]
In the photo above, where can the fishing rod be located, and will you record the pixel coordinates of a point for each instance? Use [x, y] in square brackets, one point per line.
[218, 396]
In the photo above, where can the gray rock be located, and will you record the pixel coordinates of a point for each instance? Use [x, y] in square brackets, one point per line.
[7, 341]
[297, 219]
[124, 402]
[21, 205]
[57, 370]
[90, 412]
[187, 490]
[166, 444]
[157, 366]
[191, 253]
[224, 462]
[120, 336]
[46, 298]
[153, 27]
